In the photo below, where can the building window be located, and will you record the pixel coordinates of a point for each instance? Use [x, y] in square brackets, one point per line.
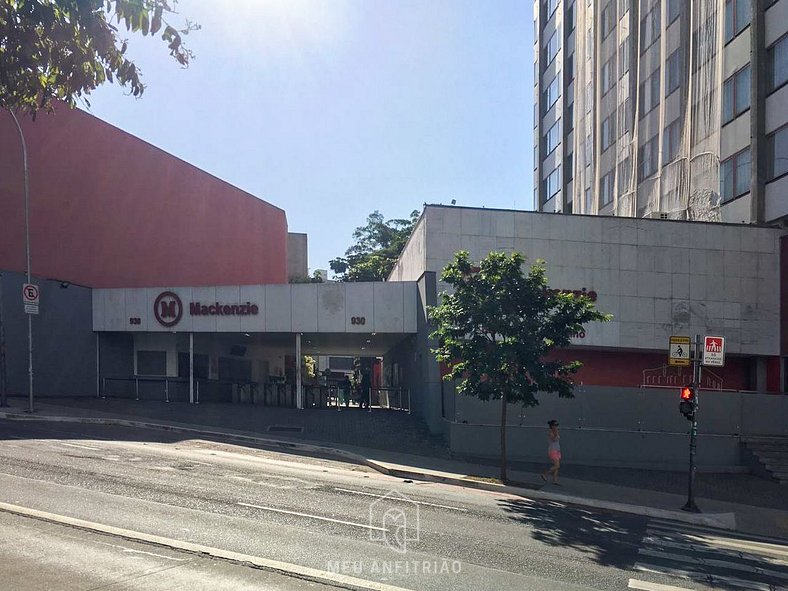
[552, 184]
[569, 118]
[623, 6]
[608, 74]
[552, 138]
[624, 175]
[569, 171]
[777, 65]
[737, 17]
[671, 140]
[650, 28]
[588, 200]
[735, 176]
[625, 117]
[536, 156]
[570, 18]
[608, 20]
[151, 363]
[674, 10]
[648, 156]
[649, 94]
[553, 43]
[623, 56]
[606, 189]
[550, 7]
[777, 154]
[569, 68]
[608, 132]
[736, 94]
[552, 92]
[675, 71]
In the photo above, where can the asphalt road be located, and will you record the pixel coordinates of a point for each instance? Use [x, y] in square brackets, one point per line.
[340, 519]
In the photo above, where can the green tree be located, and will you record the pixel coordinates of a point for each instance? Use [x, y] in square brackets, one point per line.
[377, 247]
[64, 49]
[497, 329]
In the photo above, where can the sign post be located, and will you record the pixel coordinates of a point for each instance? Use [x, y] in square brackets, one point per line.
[690, 505]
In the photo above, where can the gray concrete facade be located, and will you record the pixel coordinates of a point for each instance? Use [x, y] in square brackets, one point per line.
[64, 346]
[657, 278]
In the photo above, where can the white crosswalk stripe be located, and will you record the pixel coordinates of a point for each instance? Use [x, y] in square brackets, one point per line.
[713, 557]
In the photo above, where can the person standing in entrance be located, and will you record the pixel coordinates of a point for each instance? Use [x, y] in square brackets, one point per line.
[366, 384]
[553, 451]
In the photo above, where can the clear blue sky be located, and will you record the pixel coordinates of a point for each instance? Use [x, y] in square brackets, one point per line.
[332, 109]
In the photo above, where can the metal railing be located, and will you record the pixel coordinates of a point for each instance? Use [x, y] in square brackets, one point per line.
[391, 398]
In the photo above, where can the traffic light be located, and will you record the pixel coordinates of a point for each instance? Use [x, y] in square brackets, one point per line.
[687, 404]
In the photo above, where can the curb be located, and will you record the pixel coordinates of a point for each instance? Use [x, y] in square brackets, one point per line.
[718, 520]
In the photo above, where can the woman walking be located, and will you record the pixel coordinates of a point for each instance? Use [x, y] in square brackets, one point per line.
[553, 451]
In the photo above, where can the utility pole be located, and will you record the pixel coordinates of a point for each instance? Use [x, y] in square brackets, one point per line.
[690, 505]
[27, 256]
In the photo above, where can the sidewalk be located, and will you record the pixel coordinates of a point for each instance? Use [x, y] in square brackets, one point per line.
[368, 438]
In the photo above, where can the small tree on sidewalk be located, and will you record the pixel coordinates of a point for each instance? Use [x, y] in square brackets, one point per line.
[497, 327]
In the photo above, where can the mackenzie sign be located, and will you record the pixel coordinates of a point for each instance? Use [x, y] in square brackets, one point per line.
[217, 309]
[168, 309]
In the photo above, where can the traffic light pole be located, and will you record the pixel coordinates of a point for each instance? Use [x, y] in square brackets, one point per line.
[691, 506]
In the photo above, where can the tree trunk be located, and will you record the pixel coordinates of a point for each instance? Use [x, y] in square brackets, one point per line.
[503, 438]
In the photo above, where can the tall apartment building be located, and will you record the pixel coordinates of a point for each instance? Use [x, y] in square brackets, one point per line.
[662, 108]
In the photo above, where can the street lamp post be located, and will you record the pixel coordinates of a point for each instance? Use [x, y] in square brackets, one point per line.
[27, 256]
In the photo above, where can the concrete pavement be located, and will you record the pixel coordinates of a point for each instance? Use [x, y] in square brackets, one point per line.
[770, 520]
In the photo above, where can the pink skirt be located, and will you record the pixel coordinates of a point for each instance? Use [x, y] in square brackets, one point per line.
[554, 455]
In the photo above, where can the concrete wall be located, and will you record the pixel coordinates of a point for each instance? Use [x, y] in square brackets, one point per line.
[297, 255]
[110, 210]
[307, 307]
[618, 426]
[417, 362]
[656, 277]
[411, 263]
[655, 451]
[64, 346]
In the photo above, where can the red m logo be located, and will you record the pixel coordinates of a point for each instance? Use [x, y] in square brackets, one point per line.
[168, 309]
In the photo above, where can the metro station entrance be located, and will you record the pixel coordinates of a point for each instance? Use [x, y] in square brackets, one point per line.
[266, 345]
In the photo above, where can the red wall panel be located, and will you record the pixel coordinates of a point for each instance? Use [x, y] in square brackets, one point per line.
[110, 210]
[626, 368]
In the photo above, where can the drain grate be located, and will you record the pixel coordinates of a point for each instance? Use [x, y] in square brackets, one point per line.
[285, 429]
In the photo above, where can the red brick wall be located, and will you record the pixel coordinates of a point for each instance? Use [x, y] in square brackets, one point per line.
[110, 210]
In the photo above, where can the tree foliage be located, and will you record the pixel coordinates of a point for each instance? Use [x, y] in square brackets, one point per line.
[497, 328]
[376, 249]
[64, 49]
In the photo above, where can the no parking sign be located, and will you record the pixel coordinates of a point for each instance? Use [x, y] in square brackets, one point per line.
[30, 297]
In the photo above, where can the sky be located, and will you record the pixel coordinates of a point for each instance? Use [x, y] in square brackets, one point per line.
[331, 109]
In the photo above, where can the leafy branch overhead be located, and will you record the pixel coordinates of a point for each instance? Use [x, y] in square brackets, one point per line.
[498, 326]
[64, 49]
[376, 249]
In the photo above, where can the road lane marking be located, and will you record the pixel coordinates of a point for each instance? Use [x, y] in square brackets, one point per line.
[358, 492]
[286, 568]
[351, 523]
[747, 546]
[705, 548]
[79, 445]
[646, 586]
[705, 579]
[293, 485]
[713, 562]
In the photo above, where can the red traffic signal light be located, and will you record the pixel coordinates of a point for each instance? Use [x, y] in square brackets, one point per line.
[687, 404]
